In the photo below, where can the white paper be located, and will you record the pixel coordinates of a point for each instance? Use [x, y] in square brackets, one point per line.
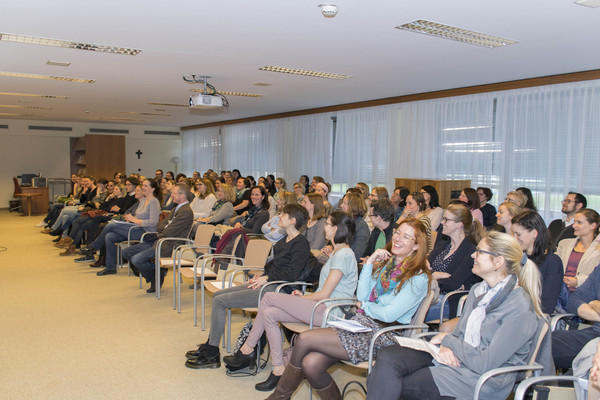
[418, 344]
[349, 325]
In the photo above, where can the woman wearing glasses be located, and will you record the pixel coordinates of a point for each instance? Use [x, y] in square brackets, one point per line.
[496, 329]
[450, 260]
[392, 284]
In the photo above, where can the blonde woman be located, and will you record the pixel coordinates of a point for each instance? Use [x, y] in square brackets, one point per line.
[204, 198]
[496, 329]
[506, 212]
[222, 209]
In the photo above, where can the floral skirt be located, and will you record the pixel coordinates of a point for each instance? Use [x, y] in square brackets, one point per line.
[357, 344]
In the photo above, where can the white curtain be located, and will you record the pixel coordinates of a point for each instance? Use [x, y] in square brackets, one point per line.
[362, 146]
[201, 149]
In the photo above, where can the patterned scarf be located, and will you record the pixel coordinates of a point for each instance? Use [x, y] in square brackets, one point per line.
[218, 205]
[388, 277]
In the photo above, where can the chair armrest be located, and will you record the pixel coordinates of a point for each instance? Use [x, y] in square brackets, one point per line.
[447, 297]
[131, 229]
[580, 388]
[144, 235]
[557, 318]
[502, 370]
[295, 283]
[341, 303]
[234, 270]
[385, 330]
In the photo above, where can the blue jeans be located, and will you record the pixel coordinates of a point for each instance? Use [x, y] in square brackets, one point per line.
[434, 310]
[141, 256]
[112, 234]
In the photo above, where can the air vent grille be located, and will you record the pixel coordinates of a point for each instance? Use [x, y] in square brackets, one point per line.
[105, 130]
[168, 133]
[49, 128]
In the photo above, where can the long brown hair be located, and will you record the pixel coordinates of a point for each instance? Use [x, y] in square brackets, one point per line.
[417, 263]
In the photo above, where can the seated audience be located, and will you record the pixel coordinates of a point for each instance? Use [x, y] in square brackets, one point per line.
[563, 228]
[529, 229]
[470, 197]
[253, 219]
[529, 204]
[391, 286]
[204, 198]
[516, 197]
[488, 211]
[450, 260]
[304, 181]
[506, 212]
[299, 191]
[290, 258]
[177, 224]
[505, 303]
[315, 226]
[382, 218]
[581, 254]
[223, 208]
[242, 201]
[168, 203]
[432, 206]
[143, 215]
[354, 205]
[322, 189]
[585, 303]
[399, 200]
[280, 186]
[415, 208]
[271, 229]
[337, 279]
[170, 175]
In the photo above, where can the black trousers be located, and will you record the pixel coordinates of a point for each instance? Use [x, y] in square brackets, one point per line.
[566, 345]
[402, 372]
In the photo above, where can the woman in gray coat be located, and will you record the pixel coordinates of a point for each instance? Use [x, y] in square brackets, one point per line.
[496, 329]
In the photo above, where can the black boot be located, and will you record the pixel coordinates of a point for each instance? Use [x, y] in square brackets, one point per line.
[239, 360]
[57, 232]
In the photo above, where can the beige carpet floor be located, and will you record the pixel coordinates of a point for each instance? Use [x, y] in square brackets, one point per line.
[67, 334]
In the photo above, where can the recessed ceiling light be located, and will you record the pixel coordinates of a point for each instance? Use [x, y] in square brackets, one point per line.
[228, 93]
[46, 96]
[453, 33]
[9, 37]
[20, 115]
[589, 3]
[297, 71]
[262, 84]
[144, 113]
[121, 119]
[50, 77]
[58, 63]
[168, 104]
[29, 107]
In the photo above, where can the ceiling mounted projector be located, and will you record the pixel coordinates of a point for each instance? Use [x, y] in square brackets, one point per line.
[209, 98]
[205, 101]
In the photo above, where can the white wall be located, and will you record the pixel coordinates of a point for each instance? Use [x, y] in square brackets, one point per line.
[26, 151]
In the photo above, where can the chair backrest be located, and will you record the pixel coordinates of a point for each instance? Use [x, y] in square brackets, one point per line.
[419, 315]
[257, 252]
[17, 187]
[540, 335]
[432, 240]
[204, 234]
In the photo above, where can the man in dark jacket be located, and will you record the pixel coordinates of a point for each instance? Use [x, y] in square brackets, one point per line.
[177, 224]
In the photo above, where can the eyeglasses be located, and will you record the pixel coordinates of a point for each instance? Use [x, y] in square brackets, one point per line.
[404, 236]
[567, 201]
[448, 219]
[478, 251]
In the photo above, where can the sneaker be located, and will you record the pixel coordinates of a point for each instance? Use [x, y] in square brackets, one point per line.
[85, 259]
[41, 225]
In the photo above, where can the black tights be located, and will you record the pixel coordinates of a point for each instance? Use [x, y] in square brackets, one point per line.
[315, 351]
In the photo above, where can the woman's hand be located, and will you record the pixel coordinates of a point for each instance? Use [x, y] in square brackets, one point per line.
[437, 339]
[570, 281]
[440, 275]
[237, 225]
[446, 356]
[115, 208]
[132, 219]
[257, 282]
[297, 293]
[327, 250]
[378, 255]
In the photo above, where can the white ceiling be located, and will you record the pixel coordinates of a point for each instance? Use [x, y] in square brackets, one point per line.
[230, 39]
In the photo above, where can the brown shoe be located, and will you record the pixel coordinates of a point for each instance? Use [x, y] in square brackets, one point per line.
[71, 251]
[64, 243]
[46, 230]
[331, 392]
[288, 383]
[99, 263]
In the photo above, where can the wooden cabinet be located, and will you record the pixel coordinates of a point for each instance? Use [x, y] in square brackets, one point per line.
[38, 200]
[447, 189]
[99, 156]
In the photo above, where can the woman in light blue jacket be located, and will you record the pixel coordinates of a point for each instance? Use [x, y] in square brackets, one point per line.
[392, 284]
